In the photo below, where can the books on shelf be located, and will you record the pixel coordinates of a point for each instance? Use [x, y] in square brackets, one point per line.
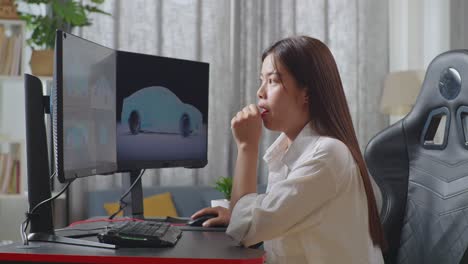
[11, 42]
[10, 168]
[8, 9]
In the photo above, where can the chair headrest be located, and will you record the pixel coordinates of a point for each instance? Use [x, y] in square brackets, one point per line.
[445, 83]
[440, 109]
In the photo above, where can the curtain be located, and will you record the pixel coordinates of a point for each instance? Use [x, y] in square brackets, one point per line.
[231, 35]
[458, 20]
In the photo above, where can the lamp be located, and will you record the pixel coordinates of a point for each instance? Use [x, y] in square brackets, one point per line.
[400, 91]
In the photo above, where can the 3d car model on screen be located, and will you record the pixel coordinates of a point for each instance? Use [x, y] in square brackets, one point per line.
[157, 109]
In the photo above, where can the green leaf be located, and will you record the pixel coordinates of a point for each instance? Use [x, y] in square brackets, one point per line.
[93, 9]
[65, 14]
[224, 185]
[70, 12]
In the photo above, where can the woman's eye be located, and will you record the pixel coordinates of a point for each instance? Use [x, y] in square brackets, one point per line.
[272, 81]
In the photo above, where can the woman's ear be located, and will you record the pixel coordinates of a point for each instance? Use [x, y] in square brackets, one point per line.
[303, 97]
[305, 94]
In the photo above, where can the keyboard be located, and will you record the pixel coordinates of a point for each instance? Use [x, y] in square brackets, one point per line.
[141, 234]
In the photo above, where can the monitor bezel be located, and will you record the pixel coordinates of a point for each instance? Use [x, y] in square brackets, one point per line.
[57, 113]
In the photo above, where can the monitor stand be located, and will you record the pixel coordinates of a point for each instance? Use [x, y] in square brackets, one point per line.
[42, 228]
[134, 199]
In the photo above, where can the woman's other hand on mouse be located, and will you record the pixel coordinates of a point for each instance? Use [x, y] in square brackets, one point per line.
[247, 126]
[224, 215]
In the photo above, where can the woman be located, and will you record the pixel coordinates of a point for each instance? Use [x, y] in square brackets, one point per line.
[319, 206]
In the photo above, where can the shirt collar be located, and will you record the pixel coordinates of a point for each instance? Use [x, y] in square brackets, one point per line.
[279, 151]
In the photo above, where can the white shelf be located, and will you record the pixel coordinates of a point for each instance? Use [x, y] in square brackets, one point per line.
[12, 22]
[12, 99]
[8, 139]
[13, 196]
[11, 78]
[13, 129]
[21, 78]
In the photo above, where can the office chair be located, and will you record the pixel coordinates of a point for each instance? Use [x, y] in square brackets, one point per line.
[421, 167]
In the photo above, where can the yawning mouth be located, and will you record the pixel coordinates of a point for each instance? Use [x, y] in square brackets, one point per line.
[264, 112]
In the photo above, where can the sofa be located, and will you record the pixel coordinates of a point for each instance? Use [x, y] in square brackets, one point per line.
[187, 199]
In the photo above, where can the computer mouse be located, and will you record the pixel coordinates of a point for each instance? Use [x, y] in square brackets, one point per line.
[200, 220]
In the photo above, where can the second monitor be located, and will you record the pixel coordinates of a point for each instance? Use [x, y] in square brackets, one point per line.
[162, 112]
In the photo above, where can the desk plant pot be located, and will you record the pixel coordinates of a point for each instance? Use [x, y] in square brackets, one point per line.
[220, 202]
[44, 17]
[42, 62]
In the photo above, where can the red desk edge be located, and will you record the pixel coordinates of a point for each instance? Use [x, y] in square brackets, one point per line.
[118, 259]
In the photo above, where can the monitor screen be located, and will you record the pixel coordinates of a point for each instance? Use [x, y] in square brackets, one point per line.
[122, 111]
[84, 108]
[162, 112]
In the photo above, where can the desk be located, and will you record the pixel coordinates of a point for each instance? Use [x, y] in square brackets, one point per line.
[193, 247]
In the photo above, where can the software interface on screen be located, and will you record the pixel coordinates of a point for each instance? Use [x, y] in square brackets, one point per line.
[89, 84]
[162, 111]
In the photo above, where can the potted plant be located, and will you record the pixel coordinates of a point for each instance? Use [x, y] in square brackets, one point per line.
[61, 14]
[223, 185]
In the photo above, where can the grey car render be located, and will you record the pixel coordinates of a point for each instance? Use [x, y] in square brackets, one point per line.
[157, 109]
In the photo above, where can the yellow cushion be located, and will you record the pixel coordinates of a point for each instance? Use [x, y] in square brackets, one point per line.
[159, 205]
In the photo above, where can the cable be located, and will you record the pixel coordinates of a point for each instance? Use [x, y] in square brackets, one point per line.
[29, 214]
[122, 203]
[53, 175]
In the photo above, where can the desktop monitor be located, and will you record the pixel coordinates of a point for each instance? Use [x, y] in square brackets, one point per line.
[162, 112]
[121, 111]
[83, 108]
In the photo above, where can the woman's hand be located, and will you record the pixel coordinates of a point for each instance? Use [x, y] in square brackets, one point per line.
[224, 215]
[247, 126]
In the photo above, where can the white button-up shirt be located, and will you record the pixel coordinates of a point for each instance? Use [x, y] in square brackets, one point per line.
[315, 206]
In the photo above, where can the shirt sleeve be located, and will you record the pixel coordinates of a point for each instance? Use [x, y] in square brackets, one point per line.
[290, 205]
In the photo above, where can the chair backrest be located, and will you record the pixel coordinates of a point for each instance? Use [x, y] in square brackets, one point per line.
[421, 166]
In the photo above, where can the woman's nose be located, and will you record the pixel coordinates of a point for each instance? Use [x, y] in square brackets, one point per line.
[260, 92]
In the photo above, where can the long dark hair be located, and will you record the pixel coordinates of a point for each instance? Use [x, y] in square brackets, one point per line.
[312, 65]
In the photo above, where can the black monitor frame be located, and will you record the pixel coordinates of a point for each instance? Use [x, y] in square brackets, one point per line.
[57, 116]
[133, 167]
[174, 71]
[121, 73]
